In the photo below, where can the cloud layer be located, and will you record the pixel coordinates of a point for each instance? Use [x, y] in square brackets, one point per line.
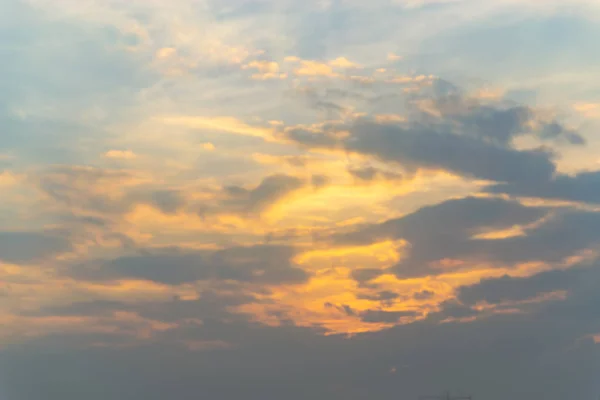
[320, 199]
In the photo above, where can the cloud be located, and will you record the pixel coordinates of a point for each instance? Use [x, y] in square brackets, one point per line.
[436, 250]
[269, 191]
[343, 62]
[168, 201]
[258, 264]
[445, 231]
[26, 247]
[529, 350]
[373, 316]
[465, 216]
[461, 136]
[369, 173]
[312, 68]
[418, 211]
[378, 316]
[393, 57]
[208, 146]
[83, 187]
[589, 110]
[581, 187]
[506, 288]
[120, 154]
[266, 70]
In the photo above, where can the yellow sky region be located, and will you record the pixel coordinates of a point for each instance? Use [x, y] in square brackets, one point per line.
[343, 62]
[307, 210]
[223, 124]
[120, 154]
[327, 206]
[332, 283]
[315, 68]
[351, 198]
[265, 70]
[312, 68]
[372, 256]
[151, 227]
[588, 110]
[8, 179]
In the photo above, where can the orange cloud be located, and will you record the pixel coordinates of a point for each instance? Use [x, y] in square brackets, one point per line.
[318, 68]
[588, 110]
[266, 70]
[120, 154]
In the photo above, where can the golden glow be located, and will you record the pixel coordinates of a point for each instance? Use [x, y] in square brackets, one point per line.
[514, 231]
[314, 68]
[588, 110]
[343, 62]
[193, 154]
[382, 253]
[120, 154]
[223, 124]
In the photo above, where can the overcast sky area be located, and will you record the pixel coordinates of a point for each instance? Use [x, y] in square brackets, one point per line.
[299, 199]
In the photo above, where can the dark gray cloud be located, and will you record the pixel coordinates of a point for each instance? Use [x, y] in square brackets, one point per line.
[510, 289]
[453, 218]
[369, 173]
[258, 264]
[385, 296]
[168, 201]
[82, 187]
[85, 188]
[24, 247]
[465, 137]
[426, 147]
[498, 122]
[319, 181]
[449, 231]
[373, 316]
[381, 316]
[546, 352]
[454, 310]
[582, 187]
[267, 192]
[424, 295]
[239, 199]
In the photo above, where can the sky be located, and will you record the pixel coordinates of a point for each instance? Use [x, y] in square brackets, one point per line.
[284, 199]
